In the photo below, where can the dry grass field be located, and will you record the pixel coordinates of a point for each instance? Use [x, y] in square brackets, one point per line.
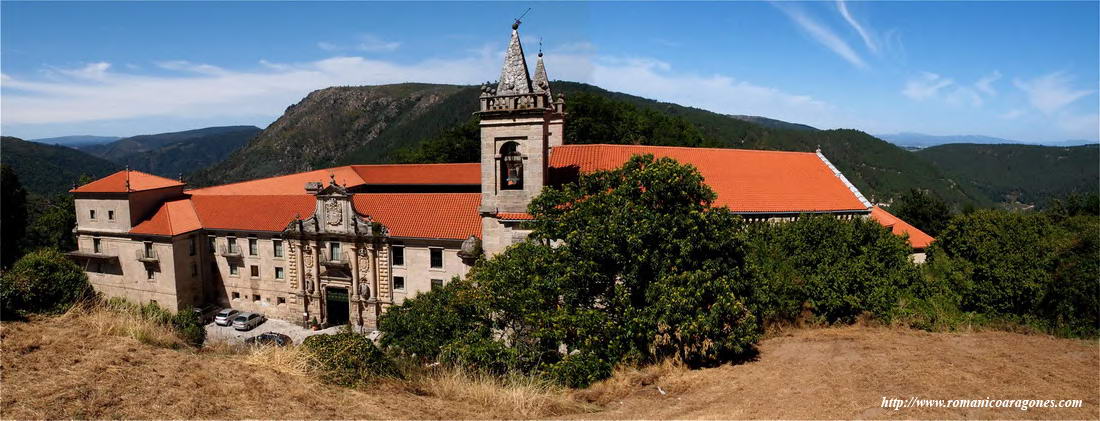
[86, 366]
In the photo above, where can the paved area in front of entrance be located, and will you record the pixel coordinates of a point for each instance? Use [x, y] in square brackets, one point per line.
[227, 334]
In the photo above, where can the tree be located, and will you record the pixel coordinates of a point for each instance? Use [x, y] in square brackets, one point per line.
[13, 219]
[43, 281]
[51, 225]
[923, 210]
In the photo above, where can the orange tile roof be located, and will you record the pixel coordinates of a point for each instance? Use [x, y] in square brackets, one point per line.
[745, 180]
[353, 175]
[252, 212]
[917, 238]
[290, 184]
[174, 217]
[420, 173]
[423, 215]
[116, 183]
[514, 216]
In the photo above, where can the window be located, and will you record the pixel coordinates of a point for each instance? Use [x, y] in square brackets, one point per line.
[278, 244]
[232, 244]
[95, 245]
[255, 271]
[191, 245]
[148, 249]
[511, 167]
[91, 214]
[281, 300]
[213, 241]
[437, 258]
[278, 272]
[398, 282]
[253, 247]
[334, 252]
[194, 269]
[256, 297]
[236, 295]
[111, 215]
[233, 269]
[150, 274]
[397, 255]
[437, 283]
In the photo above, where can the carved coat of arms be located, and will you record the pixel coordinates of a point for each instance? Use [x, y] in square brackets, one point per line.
[333, 214]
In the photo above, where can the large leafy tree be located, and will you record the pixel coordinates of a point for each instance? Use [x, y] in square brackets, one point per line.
[924, 210]
[13, 218]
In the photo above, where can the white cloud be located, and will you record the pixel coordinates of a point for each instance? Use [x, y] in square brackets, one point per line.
[367, 42]
[823, 35]
[1051, 92]
[1012, 114]
[928, 85]
[985, 83]
[864, 33]
[202, 91]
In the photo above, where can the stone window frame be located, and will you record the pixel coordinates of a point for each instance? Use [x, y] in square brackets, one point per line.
[96, 246]
[436, 283]
[394, 255]
[395, 283]
[253, 246]
[254, 271]
[442, 259]
[277, 248]
[280, 301]
[234, 271]
[91, 214]
[110, 214]
[280, 273]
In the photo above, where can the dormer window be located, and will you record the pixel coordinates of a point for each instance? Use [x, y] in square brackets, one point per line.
[91, 214]
[511, 168]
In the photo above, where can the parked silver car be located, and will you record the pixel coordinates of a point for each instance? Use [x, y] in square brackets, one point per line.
[225, 317]
[247, 321]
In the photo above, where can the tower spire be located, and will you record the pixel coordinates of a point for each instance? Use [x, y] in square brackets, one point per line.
[514, 77]
[542, 82]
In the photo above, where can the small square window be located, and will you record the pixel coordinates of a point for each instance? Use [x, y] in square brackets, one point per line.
[256, 297]
[279, 272]
[91, 214]
[111, 215]
[399, 282]
[437, 283]
[437, 258]
[95, 245]
[233, 269]
[254, 271]
[397, 255]
[236, 295]
[278, 246]
[281, 300]
[253, 247]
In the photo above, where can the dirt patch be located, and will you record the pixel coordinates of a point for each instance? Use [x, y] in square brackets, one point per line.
[845, 373]
[62, 368]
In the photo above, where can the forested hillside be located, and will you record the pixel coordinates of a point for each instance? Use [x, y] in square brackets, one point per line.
[1020, 173]
[340, 123]
[50, 169]
[176, 153]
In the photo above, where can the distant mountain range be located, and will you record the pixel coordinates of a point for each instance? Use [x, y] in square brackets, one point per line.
[176, 153]
[920, 140]
[50, 169]
[75, 141]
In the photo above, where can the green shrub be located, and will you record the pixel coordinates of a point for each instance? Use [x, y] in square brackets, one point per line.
[424, 324]
[189, 326]
[348, 359]
[580, 369]
[44, 281]
[837, 269]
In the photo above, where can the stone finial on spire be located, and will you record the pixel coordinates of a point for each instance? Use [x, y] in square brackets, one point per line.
[542, 82]
[514, 77]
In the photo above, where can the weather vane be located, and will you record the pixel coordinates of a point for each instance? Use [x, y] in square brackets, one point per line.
[518, 21]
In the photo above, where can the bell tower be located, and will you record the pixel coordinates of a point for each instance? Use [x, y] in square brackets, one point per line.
[520, 122]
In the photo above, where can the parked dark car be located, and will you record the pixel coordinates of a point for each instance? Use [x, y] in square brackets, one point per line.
[269, 338]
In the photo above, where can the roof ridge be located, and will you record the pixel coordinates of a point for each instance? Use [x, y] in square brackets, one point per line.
[614, 145]
[283, 175]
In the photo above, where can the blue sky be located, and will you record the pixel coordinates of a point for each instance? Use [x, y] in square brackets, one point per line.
[1019, 70]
